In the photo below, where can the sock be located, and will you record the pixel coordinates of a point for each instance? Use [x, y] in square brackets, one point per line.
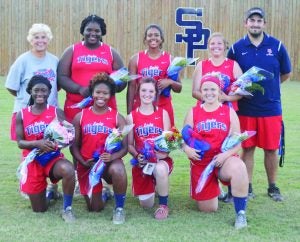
[240, 203]
[68, 199]
[229, 190]
[272, 185]
[250, 188]
[163, 200]
[104, 197]
[120, 200]
[50, 195]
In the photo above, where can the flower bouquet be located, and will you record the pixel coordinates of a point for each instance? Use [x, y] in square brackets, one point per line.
[247, 83]
[224, 79]
[166, 142]
[61, 133]
[120, 76]
[229, 142]
[192, 139]
[174, 69]
[113, 143]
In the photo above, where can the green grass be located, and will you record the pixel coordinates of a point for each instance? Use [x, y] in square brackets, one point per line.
[267, 220]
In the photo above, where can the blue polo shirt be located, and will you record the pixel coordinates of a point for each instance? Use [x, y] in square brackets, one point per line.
[270, 55]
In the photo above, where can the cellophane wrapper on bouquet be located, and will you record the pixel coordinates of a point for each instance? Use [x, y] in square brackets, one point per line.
[61, 134]
[230, 142]
[249, 82]
[113, 143]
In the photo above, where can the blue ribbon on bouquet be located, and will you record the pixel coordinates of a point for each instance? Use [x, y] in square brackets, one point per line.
[188, 137]
[174, 69]
[147, 151]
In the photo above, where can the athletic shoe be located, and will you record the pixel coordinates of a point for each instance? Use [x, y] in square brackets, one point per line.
[240, 220]
[222, 195]
[53, 188]
[119, 216]
[274, 193]
[68, 215]
[228, 198]
[107, 194]
[251, 195]
[162, 212]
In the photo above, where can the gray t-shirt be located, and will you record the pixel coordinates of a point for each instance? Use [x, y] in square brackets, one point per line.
[26, 66]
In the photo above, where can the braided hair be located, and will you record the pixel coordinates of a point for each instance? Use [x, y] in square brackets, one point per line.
[36, 80]
[93, 18]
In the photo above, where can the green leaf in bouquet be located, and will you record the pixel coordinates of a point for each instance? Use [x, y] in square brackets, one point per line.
[255, 87]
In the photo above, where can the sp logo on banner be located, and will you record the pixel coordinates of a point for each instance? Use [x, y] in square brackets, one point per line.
[195, 36]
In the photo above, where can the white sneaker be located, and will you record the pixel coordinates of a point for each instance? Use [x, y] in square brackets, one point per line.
[119, 216]
[67, 215]
[240, 220]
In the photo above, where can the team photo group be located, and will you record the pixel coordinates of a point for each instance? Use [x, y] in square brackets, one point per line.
[237, 107]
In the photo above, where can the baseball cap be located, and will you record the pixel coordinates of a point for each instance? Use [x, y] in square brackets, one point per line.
[255, 10]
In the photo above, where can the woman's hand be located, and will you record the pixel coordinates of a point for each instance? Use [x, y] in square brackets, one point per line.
[141, 159]
[106, 157]
[88, 163]
[220, 159]
[163, 83]
[192, 153]
[46, 145]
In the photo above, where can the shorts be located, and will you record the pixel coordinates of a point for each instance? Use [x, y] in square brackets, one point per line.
[83, 180]
[37, 176]
[268, 131]
[211, 188]
[13, 133]
[143, 184]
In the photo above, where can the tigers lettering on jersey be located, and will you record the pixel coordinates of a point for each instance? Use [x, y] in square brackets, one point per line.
[148, 129]
[96, 128]
[88, 59]
[151, 71]
[210, 124]
[35, 128]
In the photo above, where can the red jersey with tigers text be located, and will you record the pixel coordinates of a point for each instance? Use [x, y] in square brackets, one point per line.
[212, 127]
[85, 64]
[94, 130]
[34, 125]
[146, 126]
[157, 69]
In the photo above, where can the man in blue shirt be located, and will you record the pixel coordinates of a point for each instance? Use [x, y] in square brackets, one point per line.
[263, 111]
